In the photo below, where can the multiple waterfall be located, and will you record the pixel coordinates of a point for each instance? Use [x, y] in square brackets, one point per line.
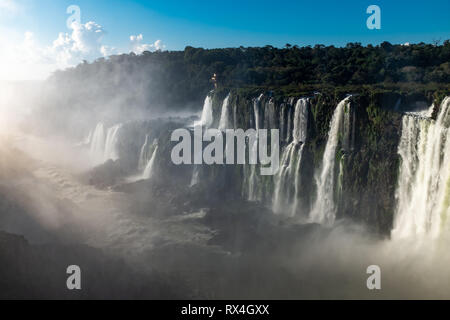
[103, 144]
[423, 192]
[287, 182]
[324, 209]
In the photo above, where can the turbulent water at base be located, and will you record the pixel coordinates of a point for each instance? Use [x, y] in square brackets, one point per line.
[287, 182]
[225, 115]
[150, 168]
[423, 192]
[207, 113]
[104, 143]
[324, 209]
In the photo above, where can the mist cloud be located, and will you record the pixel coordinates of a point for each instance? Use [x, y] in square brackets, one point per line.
[22, 57]
[137, 45]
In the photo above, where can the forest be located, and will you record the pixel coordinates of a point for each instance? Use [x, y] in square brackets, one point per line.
[174, 78]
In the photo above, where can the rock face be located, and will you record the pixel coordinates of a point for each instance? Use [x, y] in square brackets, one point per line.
[333, 145]
[366, 160]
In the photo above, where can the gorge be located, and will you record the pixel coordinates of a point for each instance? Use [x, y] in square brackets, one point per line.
[363, 179]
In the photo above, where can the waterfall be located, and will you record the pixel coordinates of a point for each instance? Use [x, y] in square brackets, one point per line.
[195, 176]
[324, 209]
[103, 145]
[346, 136]
[147, 155]
[149, 169]
[423, 191]
[289, 121]
[112, 139]
[253, 178]
[207, 113]
[287, 181]
[235, 116]
[144, 156]
[97, 148]
[225, 116]
[256, 105]
[206, 121]
[283, 111]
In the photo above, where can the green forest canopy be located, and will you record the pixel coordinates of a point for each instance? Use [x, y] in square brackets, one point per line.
[171, 77]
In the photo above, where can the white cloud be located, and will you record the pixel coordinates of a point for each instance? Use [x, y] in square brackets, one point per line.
[26, 59]
[9, 5]
[108, 51]
[84, 43]
[23, 58]
[137, 45]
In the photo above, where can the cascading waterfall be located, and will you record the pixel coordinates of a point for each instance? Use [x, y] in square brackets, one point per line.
[206, 121]
[253, 178]
[150, 168]
[256, 106]
[195, 176]
[144, 154]
[423, 191]
[252, 183]
[97, 147]
[112, 138]
[289, 123]
[287, 181]
[324, 209]
[207, 113]
[225, 115]
[103, 144]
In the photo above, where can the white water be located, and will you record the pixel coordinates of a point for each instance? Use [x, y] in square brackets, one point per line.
[150, 168]
[103, 144]
[253, 179]
[97, 148]
[256, 105]
[112, 139]
[287, 181]
[207, 113]
[324, 209]
[195, 176]
[423, 192]
[225, 115]
[143, 156]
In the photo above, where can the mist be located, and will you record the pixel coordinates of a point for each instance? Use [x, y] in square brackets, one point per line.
[187, 240]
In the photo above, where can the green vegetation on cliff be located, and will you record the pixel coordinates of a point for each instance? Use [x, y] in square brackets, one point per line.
[172, 79]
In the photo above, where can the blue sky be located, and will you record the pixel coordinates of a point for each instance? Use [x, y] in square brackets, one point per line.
[212, 24]
[247, 22]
